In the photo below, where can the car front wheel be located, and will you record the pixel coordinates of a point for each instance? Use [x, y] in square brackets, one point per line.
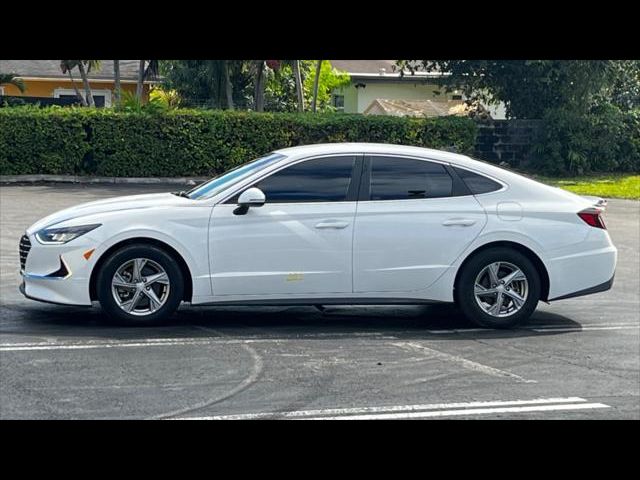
[498, 288]
[140, 284]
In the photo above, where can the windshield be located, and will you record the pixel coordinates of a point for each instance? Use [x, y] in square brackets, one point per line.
[220, 183]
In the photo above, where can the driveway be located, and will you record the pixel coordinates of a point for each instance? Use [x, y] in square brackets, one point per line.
[577, 358]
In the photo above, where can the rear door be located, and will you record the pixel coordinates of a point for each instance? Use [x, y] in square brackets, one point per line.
[414, 218]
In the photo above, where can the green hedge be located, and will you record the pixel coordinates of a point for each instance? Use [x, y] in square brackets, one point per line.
[35, 141]
[192, 142]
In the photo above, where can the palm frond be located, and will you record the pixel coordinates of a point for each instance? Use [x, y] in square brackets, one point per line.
[153, 70]
[11, 79]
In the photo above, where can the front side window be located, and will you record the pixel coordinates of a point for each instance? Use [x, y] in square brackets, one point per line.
[395, 178]
[230, 177]
[317, 180]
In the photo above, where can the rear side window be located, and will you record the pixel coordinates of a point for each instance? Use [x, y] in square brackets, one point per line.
[395, 178]
[477, 183]
[318, 180]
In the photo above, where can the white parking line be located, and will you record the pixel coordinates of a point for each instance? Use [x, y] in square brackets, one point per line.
[420, 411]
[161, 342]
[471, 411]
[585, 329]
[546, 328]
[7, 347]
[156, 342]
[465, 363]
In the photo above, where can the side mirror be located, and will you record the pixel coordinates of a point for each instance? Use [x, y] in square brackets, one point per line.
[252, 197]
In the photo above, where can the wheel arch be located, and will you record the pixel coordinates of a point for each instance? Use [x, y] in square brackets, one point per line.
[526, 251]
[188, 284]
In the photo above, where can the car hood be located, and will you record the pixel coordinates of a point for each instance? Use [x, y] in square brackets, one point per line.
[128, 202]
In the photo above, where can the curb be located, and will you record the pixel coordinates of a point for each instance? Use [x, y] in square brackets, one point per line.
[9, 179]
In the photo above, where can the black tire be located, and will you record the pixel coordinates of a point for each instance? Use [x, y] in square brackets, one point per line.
[465, 296]
[130, 252]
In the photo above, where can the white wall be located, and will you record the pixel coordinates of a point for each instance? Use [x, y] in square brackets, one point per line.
[356, 100]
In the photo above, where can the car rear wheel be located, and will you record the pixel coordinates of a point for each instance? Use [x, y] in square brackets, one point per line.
[498, 288]
[140, 284]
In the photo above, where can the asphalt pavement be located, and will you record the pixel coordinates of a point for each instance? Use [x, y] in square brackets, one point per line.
[576, 358]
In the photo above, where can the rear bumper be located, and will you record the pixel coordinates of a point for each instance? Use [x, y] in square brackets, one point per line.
[603, 287]
[583, 273]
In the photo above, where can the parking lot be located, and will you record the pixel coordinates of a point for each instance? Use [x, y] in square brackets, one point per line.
[577, 358]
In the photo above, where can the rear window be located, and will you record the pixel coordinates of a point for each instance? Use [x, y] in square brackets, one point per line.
[476, 183]
[395, 178]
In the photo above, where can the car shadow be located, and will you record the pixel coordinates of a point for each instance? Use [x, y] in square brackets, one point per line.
[411, 322]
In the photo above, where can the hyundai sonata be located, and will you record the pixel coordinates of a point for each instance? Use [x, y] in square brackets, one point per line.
[328, 224]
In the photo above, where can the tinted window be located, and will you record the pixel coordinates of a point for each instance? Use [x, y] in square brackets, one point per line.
[477, 183]
[319, 180]
[224, 181]
[403, 179]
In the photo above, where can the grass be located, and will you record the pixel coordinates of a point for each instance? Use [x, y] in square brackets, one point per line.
[607, 186]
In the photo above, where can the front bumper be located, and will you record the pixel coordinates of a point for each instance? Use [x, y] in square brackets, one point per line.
[23, 291]
[58, 274]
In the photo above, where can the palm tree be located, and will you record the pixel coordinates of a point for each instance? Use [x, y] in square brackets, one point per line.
[66, 66]
[228, 86]
[259, 86]
[84, 66]
[298, 78]
[316, 84]
[151, 70]
[11, 79]
[116, 76]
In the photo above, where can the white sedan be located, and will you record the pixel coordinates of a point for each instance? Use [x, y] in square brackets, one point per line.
[328, 224]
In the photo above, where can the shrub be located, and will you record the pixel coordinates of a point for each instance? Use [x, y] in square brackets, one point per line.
[604, 140]
[35, 140]
[193, 142]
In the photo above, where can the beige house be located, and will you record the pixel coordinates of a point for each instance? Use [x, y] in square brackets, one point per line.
[378, 88]
[415, 108]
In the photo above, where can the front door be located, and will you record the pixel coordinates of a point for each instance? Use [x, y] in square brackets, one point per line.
[298, 242]
[411, 224]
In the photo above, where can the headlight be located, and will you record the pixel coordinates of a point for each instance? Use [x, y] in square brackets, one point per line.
[62, 235]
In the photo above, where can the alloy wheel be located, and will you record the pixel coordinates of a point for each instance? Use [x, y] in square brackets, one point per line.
[140, 286]
[501, 289]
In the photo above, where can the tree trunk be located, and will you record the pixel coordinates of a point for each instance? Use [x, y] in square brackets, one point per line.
[85, 82]
[298, 78]
[140, 84]
[83, 102]
[227, 85]
[259, 87]
[116, 76]
[316, 84]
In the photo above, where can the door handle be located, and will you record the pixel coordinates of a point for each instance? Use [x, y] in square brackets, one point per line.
[332, 224]
[463, 222]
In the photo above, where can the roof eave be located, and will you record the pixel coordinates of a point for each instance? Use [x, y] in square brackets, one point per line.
[78, 79]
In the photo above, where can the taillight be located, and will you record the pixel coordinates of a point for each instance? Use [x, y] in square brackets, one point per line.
[593, 217]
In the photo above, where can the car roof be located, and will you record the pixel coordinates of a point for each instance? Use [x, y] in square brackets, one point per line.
[380, 148]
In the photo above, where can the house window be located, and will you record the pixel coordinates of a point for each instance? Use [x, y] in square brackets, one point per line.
[1, 90]
[456, 97]
[338, 102]
[102, 98]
